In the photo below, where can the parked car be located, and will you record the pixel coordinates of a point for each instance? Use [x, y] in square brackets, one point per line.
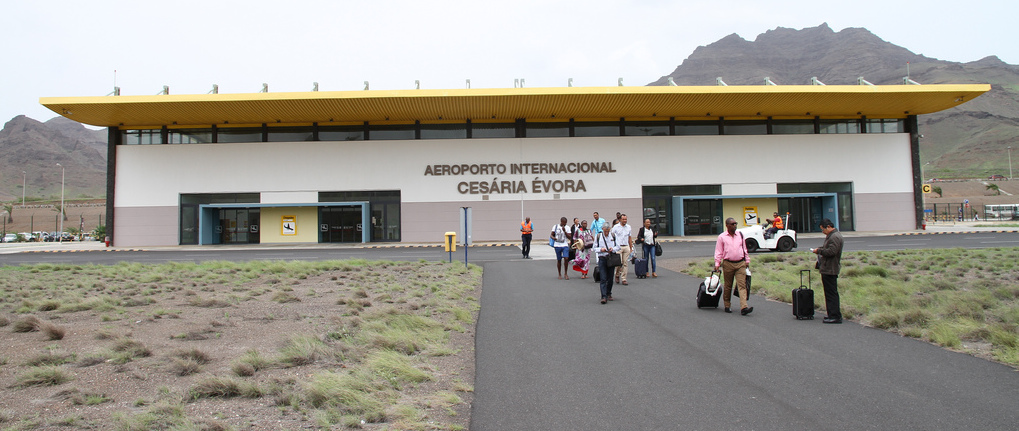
[27, 236]
[11, 237]
[997, 177]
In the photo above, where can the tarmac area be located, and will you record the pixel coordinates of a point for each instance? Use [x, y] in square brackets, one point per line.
[550, 357]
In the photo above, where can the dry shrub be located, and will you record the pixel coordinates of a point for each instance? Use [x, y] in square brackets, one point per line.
[53, 332]
[193, 355]
[26, 324]
[185, 367]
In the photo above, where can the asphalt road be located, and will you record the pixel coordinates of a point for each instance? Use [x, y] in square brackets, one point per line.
[550, 357]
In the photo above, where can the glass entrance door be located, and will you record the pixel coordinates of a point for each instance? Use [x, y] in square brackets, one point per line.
[340, 224]
[238, 226]
[804, 213]
[702, 217]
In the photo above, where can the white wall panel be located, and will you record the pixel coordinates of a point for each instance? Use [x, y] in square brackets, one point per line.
[154, 175]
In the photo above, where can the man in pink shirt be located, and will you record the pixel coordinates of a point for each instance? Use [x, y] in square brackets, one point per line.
[732, 257]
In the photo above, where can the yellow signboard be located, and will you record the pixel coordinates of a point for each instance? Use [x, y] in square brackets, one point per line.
[288, 227]
[750, 216]
[926, 188]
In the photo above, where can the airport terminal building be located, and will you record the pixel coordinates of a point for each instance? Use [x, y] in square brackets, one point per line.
[400, 166]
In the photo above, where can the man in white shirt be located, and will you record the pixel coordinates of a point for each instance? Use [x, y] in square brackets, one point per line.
[622, 233]
[562, 236]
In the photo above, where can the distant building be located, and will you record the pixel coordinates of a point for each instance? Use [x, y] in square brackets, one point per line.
[399, 166]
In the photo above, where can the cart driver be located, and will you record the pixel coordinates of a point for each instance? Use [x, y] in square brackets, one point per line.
[776, 225]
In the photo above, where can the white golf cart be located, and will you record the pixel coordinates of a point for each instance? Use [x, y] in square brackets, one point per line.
[782, 240]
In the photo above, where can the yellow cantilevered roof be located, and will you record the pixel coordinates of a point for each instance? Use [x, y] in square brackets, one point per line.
[688, 102]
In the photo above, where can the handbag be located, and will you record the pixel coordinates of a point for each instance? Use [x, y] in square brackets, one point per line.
[658, 249]
[551, 242]
[614, 260]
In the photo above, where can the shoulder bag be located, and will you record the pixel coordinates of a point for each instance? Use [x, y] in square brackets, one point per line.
[613, 259]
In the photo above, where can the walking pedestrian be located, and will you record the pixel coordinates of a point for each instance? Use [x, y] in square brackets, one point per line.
[732, 257]
[604, 244]
[647, 237]
[622, 234]
[562, 237]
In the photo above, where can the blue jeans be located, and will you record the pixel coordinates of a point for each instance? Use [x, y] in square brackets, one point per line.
[562, 253]
[606, 277]
[649, 254]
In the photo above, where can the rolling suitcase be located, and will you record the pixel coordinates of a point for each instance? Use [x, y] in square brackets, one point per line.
[710, 291]
[640, 267]
[803, 299]
[597, 274]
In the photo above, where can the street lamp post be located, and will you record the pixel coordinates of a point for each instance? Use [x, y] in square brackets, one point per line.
[61, 233]
[1010, 162]
[23, 174]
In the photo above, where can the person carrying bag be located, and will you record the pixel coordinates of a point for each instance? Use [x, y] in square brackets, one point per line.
[608, 254]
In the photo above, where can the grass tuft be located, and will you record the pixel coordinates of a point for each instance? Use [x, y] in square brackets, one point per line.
[42, 376]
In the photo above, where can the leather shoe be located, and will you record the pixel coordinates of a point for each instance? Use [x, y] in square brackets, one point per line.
[746, 311]
[727, 310]
[830, 320]
[603, 300]
[610, 297]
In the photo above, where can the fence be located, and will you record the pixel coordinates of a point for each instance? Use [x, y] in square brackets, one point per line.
[956, 212]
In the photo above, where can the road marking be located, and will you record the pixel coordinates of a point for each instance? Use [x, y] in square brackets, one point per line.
[999, 242]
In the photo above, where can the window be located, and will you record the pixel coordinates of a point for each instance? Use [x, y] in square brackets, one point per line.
[190, 136]
[392, 132]
[141, 137]
[646, 128]
[697, 128]
[230, 135]
[746, 128]
[792, 127]
[549, 130]
[493, 130]
[840, 126]
[341, 133]
[596, 129]
[290, 134]
[444, 131]
[886, 126]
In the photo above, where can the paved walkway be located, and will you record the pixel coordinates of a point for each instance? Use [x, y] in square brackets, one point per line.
[550, 357]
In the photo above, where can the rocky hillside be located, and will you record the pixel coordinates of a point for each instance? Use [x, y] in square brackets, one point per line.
[969, 140]
[35, 148]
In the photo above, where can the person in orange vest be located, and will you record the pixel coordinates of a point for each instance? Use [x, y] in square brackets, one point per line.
[525, 236]
[776, 225]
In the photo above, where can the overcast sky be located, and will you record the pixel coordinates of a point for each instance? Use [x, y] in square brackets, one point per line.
[72, 48]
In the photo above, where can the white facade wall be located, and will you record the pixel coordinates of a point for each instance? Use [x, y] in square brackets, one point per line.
[150, 178]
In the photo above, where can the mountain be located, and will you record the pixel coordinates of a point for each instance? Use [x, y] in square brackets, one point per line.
[35, 148]
[969, 140]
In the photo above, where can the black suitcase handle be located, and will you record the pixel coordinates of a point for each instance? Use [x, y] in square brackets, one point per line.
[807, 286]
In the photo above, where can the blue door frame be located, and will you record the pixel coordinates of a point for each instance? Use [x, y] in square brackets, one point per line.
[207, 213]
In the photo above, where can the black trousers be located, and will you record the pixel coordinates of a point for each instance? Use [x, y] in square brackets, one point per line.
[526, 248]
[606, 276]
[831, 295]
